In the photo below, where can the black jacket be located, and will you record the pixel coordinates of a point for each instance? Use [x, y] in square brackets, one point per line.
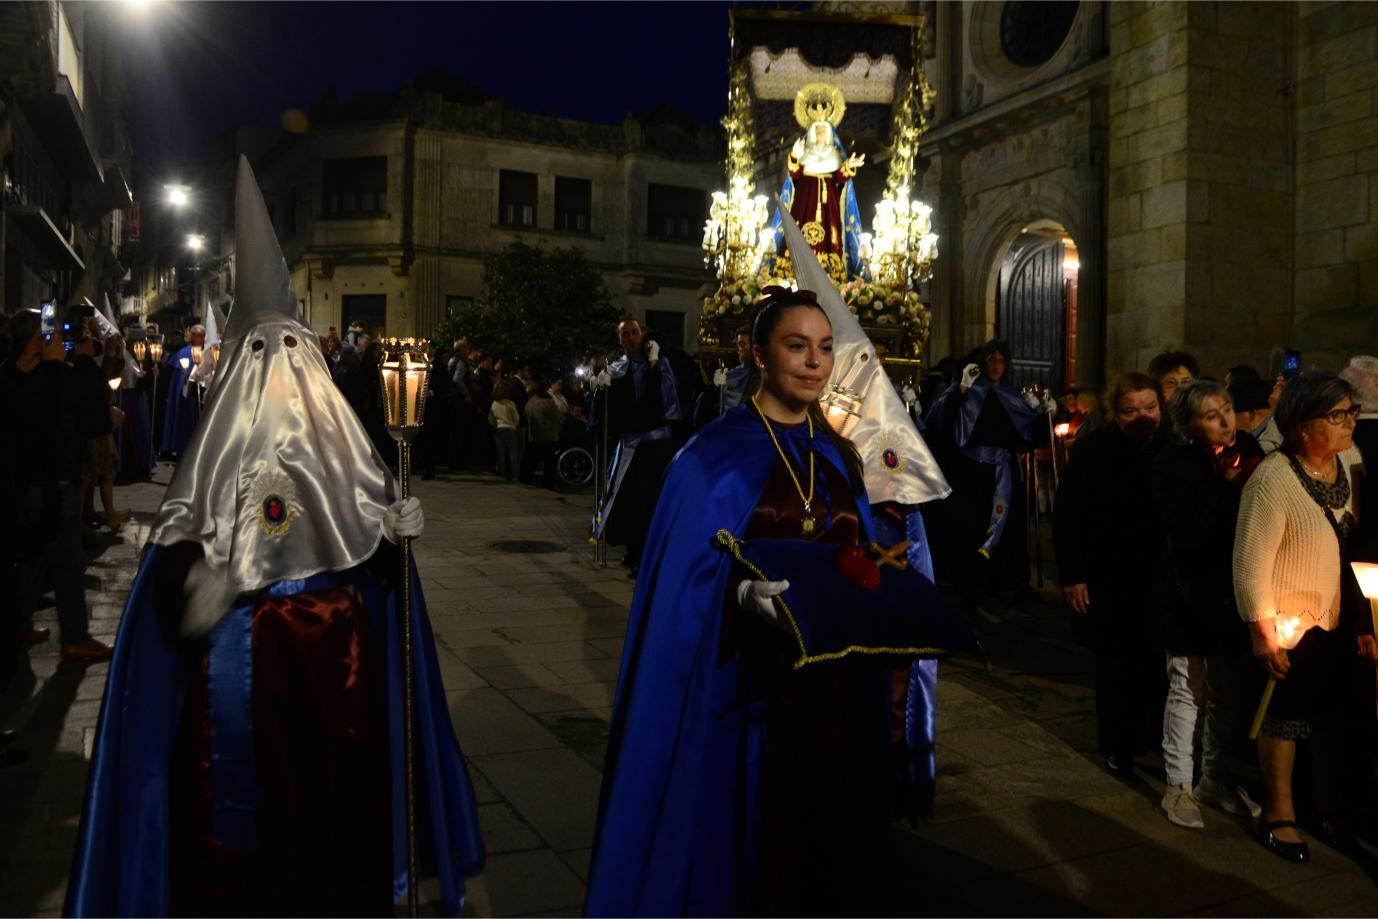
[49, 413]
[1105, 529]
[1197, 509]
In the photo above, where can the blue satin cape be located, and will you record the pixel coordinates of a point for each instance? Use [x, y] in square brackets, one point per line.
[120, 864]
[679, 820]
[180, 413]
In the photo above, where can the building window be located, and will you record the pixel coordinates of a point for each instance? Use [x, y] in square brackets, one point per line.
[573, 204]
[675, 213]
[1031, 33]
[516, 198]
[354, 187]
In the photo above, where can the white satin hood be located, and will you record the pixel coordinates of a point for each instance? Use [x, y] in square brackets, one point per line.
[897, 464]
[279, 481]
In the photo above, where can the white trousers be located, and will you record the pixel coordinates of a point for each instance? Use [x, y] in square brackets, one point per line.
[1194, 684]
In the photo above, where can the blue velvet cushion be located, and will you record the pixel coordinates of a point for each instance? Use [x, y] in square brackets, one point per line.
[832, 614]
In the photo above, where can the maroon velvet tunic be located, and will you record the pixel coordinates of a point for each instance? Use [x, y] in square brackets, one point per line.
[812, 726]
[321, 756]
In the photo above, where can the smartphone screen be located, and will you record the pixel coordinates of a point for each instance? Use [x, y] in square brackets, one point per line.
[48, 310]
[1291, 363]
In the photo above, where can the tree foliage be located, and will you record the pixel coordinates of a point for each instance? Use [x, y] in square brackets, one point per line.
[539, 307]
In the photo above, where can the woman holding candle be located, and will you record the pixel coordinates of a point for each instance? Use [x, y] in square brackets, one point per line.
[1196, 488]
[1291, 581]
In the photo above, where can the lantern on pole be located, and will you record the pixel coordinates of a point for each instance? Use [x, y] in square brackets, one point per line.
[155, 357]
[139, 348]
[402, 375]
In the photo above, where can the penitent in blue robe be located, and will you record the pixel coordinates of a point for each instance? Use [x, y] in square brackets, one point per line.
[680, 822]
[180, 413]
[122, 857]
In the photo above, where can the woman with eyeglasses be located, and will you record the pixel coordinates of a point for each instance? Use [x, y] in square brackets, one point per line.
[1294, 588]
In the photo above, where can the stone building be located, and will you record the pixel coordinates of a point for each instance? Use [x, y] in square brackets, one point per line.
[64, 155]
[1110, 179]
[387, 205]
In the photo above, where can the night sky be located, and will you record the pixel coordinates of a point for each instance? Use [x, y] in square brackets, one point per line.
[196, 69]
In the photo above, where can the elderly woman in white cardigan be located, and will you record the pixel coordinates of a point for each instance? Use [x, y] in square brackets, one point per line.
[1291, 578]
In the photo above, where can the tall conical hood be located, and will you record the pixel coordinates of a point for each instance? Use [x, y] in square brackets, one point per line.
[106, 319]
[263, 287]
[898, 464]
[212, 326]
[259, 486]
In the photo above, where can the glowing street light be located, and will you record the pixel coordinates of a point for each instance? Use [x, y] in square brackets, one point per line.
[195, 242]
[177, 195]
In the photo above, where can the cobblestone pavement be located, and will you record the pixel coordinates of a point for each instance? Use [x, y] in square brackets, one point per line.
[529, 641]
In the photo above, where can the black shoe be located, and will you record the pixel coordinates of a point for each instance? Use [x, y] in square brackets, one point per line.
[1121, 765]
[1299, 853]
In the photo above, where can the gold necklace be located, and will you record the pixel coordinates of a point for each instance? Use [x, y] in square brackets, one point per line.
[1309, 471]
[808, 522]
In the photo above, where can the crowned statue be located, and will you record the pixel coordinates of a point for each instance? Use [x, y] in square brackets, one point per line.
[818, 189]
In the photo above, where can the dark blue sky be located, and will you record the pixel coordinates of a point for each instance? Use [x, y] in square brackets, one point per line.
[199, 69]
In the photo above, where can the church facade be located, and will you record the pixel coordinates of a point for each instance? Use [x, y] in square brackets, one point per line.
[1112, 179]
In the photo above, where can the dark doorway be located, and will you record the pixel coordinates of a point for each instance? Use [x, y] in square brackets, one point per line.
[369, 309]
[666, 326]
[1031, 310]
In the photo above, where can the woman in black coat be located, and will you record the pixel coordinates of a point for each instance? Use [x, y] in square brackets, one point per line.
[1106, 535]
[1197, 482]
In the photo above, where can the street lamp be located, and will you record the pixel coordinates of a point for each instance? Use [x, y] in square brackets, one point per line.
[195, 242]
[177, 195]
[402, 375]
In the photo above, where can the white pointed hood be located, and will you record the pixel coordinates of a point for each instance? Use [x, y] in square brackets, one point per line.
[106, 319]
[898, 464]
[279, 480]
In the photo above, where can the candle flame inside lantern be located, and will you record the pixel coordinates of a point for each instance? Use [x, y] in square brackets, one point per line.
[1062, 430]
[1287, 631]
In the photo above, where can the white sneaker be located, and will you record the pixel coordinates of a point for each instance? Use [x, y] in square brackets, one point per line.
[1232, 799]
[1181, 808]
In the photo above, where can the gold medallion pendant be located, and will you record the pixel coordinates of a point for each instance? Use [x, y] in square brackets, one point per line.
[813, 233]
[808, 526]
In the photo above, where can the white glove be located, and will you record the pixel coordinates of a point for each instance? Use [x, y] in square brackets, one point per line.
[404, 519]
[1031, 400]
[209, 597]
[720, 377]
[758, 597]
[908, 394]
[652, 351]
[970, 374]
[1049, 404]
[604, 378]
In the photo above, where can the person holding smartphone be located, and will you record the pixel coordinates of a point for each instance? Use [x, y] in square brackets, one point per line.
[49, 421]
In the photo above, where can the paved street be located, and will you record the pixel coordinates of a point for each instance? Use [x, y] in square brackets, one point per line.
[1028, 823]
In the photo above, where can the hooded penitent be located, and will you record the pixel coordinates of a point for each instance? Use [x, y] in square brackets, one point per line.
[254, 477]
[249, 755]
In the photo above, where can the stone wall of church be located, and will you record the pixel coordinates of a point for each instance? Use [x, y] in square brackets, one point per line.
[1199, 180]
[1337, 182]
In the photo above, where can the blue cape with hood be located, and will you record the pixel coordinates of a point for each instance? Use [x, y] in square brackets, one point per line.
[121, 861]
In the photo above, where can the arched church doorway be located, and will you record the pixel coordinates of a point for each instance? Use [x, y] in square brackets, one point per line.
[1036, 305]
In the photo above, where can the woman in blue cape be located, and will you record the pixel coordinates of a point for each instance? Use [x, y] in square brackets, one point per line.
[736, 783]
[249, 758]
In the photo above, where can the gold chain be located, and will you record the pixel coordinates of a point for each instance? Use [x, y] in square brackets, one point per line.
[807, 499]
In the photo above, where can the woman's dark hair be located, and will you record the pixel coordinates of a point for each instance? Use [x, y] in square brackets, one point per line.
[994, 346]
[1186, 403]
[1171, 360]
[769, 311]
[1307, 396]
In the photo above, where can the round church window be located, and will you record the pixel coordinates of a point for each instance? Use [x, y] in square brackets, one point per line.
[1031, 31]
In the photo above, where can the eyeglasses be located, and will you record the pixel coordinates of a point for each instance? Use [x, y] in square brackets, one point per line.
[1341, 415]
